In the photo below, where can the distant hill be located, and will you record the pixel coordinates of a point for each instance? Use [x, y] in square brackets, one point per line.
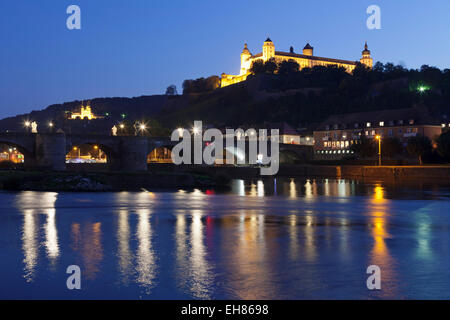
[301, 99]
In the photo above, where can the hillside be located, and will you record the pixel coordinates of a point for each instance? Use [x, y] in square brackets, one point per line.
[302, 98]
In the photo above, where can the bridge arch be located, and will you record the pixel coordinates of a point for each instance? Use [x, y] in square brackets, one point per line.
[23, 150]
[103, 154]
[160, 154]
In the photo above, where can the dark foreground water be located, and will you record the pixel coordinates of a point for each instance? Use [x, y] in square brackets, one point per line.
[273, 239]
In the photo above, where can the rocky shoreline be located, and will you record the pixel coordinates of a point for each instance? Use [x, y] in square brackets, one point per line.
[104, 181]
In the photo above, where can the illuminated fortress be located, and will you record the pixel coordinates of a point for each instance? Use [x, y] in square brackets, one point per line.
[305, 60]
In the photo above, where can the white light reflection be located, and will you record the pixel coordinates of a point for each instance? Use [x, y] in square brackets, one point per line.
[146, 265]
[28, 202]
[292, 189]
[123, 236]
[193, 270]
[200, 272]
[29, 243]
[51, 233]
[260, 188]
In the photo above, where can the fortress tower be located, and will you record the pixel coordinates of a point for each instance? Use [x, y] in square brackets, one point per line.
[366, 59]
[268, 50]
[245, 62]
[308, 50]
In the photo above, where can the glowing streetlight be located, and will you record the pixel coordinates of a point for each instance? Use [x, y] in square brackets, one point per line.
[195, 130]
[96, 147]
[50, 124]
[27, 124]
[180, 131]
[121, 126]
[378, 137]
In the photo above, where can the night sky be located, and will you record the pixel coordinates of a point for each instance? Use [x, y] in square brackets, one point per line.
[139, 47]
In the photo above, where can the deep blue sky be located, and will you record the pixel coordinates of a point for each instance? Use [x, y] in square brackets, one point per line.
[139, 47]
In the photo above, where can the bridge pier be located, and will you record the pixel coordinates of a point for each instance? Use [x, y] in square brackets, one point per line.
[133, 153]
[50, 151]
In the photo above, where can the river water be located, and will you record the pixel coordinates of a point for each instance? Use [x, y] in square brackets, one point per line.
[271, 239]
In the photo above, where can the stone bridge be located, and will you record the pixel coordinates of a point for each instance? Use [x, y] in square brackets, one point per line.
[127, 153]
[48, 150]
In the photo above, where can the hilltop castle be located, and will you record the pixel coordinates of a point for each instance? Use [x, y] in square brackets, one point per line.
[305, 60]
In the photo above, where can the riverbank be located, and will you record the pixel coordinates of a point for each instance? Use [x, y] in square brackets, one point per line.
[171, 177]
[324, 171]
[105, 181]
[370, 172]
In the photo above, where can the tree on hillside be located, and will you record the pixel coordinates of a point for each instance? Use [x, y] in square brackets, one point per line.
[391, 147]
[271, 66]
[171, 90]
[288, 67]
[418, 146]
[201, 85]
[257, 67]
[365, 148]
[443, 145]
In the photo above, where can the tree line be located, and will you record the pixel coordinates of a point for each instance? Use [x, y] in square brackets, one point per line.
[419, 146]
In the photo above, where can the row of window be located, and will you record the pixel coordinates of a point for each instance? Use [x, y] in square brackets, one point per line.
[337, 144]
[334, 151]
[370, 124]
[390, 133]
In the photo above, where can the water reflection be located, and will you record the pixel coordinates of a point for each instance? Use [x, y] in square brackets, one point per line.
[32, 204]
[86, 240]
[29, 243]
[380, 255]
[125, 255]
[248, 254]
[283, 238]
[145, 255]
[294, 188]
[193, 270]
[51, 233]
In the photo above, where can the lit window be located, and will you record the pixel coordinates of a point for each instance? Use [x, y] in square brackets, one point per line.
[443, 125]
[368, 124]
[400, 121]
[381, 123]
[411, 121]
